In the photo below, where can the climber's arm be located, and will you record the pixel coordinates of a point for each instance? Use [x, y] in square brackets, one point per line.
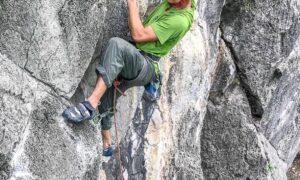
[138, 32]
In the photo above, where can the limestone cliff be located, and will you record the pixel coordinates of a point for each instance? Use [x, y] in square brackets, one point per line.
[229, 105]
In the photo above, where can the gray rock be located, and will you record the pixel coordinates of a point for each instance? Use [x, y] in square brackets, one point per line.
[228, 109]
[36, 142]
[262, 35]
[232, 147]
[55, 40]
[264, 40]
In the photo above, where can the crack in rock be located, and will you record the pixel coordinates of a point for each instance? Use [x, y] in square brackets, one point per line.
[253, 99]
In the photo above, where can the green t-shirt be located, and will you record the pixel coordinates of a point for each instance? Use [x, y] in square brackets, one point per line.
[169, 26]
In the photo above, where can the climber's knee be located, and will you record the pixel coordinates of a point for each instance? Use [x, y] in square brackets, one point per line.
[116, 41]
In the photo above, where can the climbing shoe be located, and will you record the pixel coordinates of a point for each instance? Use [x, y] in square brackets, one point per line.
[108, 151]
[80, 112]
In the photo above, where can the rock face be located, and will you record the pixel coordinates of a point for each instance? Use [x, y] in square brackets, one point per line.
[229, 105]
[43, 57]
[36, 143]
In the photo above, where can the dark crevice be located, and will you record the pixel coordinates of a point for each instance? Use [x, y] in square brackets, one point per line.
[59, 13]
[253, 99]
[2, 138]
[30, 43]
[293, 171]
[33, 32]
[62, 7]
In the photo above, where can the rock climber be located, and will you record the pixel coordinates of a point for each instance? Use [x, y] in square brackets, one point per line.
[133, 63]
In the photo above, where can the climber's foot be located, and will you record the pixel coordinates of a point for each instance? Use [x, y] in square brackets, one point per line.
[80, 112]
[108, 151]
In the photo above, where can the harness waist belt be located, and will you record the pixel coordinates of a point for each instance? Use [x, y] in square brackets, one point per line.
[153, 57]
[141, 75]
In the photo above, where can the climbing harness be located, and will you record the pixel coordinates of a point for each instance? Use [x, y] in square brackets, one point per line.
[151, 89]
[96, 120]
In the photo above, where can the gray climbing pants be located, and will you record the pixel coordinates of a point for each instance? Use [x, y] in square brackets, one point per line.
[123, 61]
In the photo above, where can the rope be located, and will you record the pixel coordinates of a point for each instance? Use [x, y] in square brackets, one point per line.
[116, 84]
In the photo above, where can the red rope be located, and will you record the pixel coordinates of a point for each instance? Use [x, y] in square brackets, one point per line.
[116, 84]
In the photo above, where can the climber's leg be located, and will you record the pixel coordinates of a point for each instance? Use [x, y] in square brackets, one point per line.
[98, 92]
[121, 59]
[107, 149]
[119, 54]
[134, 66]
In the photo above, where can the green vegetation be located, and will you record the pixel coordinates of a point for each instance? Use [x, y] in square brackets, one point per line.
[270, 167]
[247, 5]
